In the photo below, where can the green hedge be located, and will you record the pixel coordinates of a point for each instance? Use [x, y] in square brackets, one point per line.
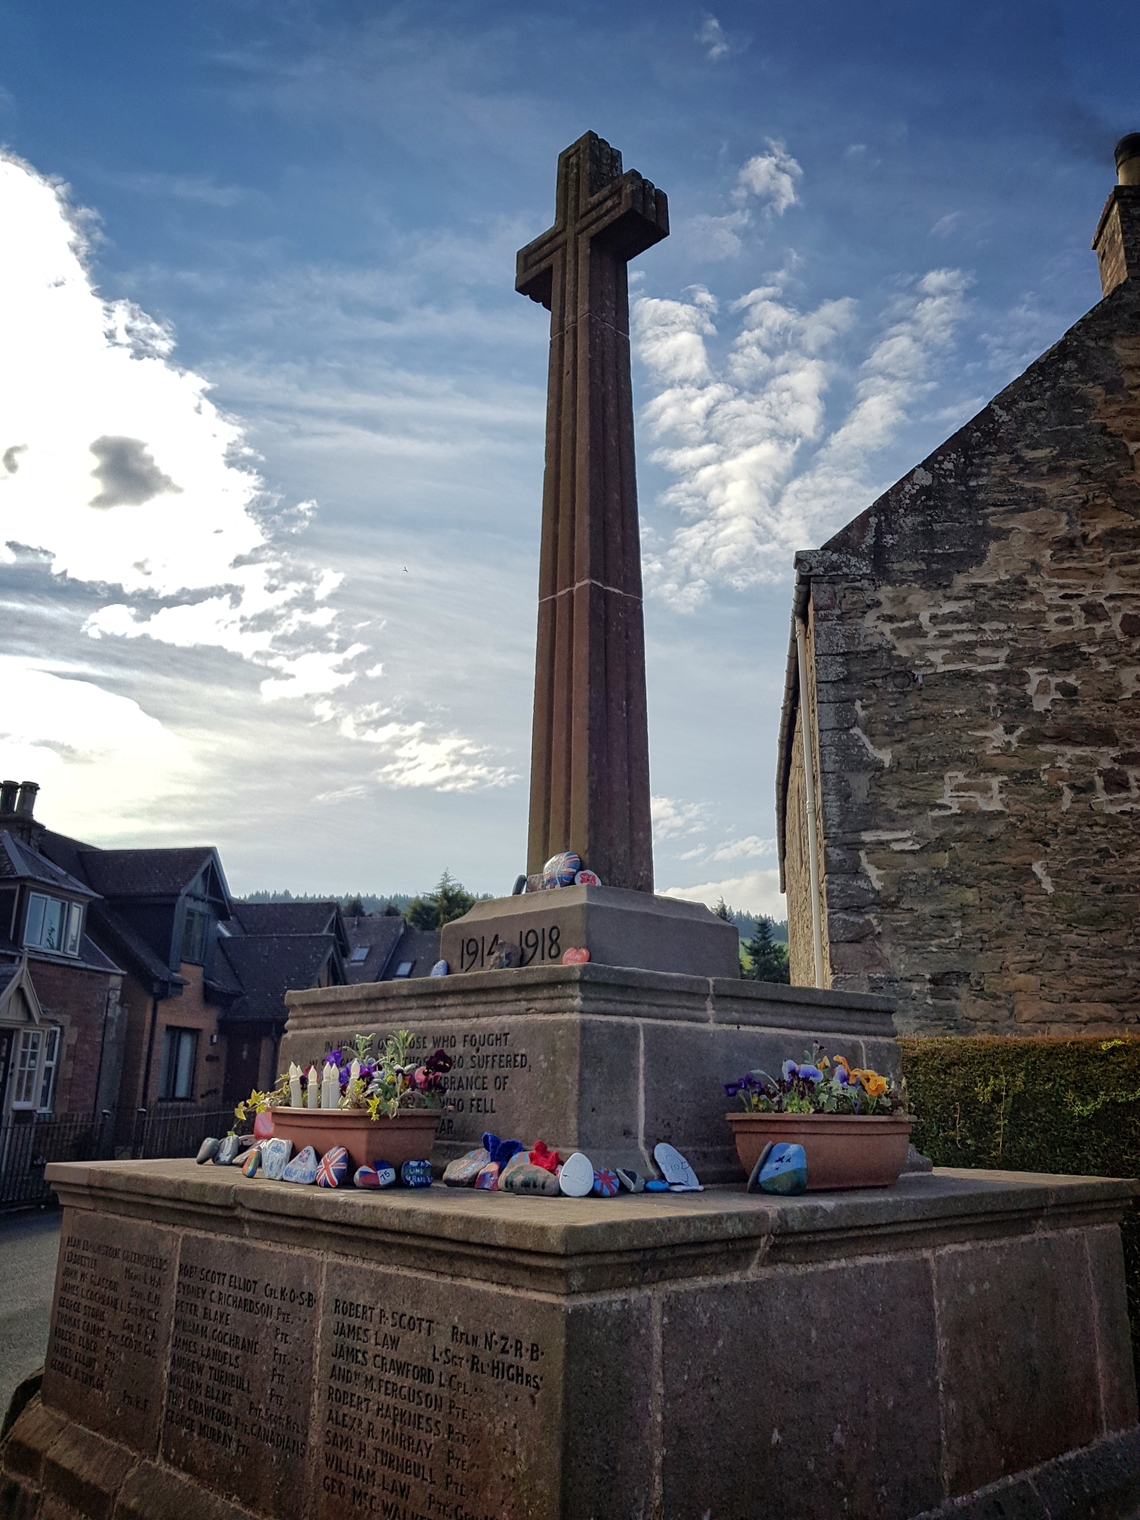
[1040, 1105]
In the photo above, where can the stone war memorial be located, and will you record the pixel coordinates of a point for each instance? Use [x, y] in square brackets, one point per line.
[225, 1346]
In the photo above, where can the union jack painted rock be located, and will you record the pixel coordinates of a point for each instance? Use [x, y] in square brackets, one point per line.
[334, 1165]
[605, 1183]
[382, 1175]
[416, 1174]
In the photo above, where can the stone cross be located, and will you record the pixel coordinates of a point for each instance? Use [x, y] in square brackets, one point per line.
[589, 789]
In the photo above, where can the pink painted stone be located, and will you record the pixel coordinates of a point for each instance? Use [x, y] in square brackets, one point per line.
[263, 1126]
[577, 957]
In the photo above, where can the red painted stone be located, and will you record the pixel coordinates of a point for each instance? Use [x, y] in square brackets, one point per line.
[577, 957]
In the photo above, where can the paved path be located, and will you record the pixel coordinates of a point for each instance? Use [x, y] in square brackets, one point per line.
[29, 1244]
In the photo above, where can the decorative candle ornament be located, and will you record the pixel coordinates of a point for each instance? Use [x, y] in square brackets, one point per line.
[294, 1085]
[314, 1095]
[330, 1087]
[354, 1072]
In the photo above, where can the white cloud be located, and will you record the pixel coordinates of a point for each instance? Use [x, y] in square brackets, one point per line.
[445, 762]
[751, 848]
[771, 177]
[755, 892]
[712, 39]
[672, 818]
[757, 473]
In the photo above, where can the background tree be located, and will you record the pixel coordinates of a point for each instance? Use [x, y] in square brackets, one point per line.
[765, 960]
[450, 900]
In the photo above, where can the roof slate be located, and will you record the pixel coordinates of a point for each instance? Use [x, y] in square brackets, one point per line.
[19, 862]
[147, 873]
[268, 966]
[285, 917]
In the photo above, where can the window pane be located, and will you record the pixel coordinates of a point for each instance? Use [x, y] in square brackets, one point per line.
[55, 915]
[74, 924]
[33, 933]
[51, 1061]
[194, 936]
[187, 1050]
[169, 1063]
[27, 1066]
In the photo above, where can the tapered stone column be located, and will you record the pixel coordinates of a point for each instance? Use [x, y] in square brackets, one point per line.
[590, 755]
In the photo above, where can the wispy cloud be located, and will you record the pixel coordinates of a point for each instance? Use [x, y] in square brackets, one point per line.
[754, 892]
[765, 184]
[711, 37]
[753, 847]
[758, 472]
[673, 818]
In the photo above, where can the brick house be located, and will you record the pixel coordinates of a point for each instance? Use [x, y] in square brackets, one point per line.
[958, 790]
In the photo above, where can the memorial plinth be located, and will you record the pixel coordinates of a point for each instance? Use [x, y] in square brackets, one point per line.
[225, 1348]
[605, 1059]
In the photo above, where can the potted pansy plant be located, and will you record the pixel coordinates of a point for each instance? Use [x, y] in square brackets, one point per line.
[385, 1106]
[851, 1121]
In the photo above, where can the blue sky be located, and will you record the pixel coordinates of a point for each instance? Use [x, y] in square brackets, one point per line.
[261, 255]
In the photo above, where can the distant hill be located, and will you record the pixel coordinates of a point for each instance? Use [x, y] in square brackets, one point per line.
[369, 902]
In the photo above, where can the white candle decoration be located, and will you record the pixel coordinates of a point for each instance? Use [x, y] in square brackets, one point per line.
[314, 1094]
[294, 1085]
[330, 1087]
[354, 1071]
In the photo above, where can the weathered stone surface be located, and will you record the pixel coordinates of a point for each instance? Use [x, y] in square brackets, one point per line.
[590, 751]
[603, 1059]
[111, 1314]
[973, 665]
[567, 1359]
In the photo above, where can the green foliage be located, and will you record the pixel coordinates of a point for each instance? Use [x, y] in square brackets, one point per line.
[762, 958]
[1036, 1105]
[450, 900]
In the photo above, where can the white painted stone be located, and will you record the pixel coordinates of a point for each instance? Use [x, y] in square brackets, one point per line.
[576, 1178]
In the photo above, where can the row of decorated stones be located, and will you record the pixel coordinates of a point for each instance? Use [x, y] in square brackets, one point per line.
[495, 1166]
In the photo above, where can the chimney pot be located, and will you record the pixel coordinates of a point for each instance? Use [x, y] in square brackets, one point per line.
[8, 790]
[1128, 160]
[26, 801]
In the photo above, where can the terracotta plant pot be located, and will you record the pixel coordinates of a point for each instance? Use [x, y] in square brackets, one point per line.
[843, 1150]
[410, 1136]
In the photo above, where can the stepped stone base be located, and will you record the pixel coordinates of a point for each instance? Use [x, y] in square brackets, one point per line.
[599, 1058]
[225, 1348]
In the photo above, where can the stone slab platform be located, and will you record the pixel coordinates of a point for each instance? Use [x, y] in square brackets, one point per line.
[225, 1348]
[604, 1059]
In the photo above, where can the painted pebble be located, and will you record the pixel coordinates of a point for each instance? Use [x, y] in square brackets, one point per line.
[416, 1174]
[576, 1178]
[208, 1150]
[441, 968]
[227, 1150]
[252, 1163]
[785, 1170]
[534, 1180]
[382, 1175]
[243, 1156]
[334, 1165]
[302, 1168]
[675, 1169]
[518, 1160]
[488, 1178]
[606, 1183]
[655, 1185]
[587, 879]
[633, 1182]
[463, 1171]
[275, 1155]
[576, 956]
[263, 1126]
[754, 1175]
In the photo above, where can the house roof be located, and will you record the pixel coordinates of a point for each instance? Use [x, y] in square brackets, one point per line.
[20, 862]
[17, 993]
[155, 873]
[420, 946]
[291, 918]
[372, 940]
[269, 965]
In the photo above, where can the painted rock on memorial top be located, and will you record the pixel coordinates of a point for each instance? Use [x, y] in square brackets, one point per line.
[416, 1174]
[785, 1170]
[382, 1175]
[334, 1165]
[575, 956]
[302, 1168]
[587, 879]
[207, 1150]
[263, 1125]
[606, 1183]
[275, 1155]
[535, 1180]
[441, 968]
[563, 868]
[252, 1163]
[675, 1169]
[632, 1181]
[576, 1178]
[227, 1150]
[463, 1171]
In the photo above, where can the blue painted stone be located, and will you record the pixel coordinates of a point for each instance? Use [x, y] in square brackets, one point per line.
[207, 1151]
[754, 1175]
[655, 1185]
[416, 1174]
[441, 968]
[606, 1183]
[227, 1150]
[675, 1169]
[275, 1155]
[302, 1168]
[785, 1170]
[334, 1165]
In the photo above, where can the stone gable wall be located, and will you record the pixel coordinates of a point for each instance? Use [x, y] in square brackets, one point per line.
[977, 639]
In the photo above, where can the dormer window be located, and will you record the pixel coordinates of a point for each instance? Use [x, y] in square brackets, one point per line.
[53, 924]
[195, 936]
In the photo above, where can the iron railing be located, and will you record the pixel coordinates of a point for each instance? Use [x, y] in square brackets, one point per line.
[29, 1142]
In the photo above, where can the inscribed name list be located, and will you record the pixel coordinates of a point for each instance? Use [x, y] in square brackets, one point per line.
[110, 1324]
[241, 1352]
[431, 1398]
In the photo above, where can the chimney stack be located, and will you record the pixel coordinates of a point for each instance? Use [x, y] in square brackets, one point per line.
[26, 799]
[17, 806]
[8, 790]
[1117, 240]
